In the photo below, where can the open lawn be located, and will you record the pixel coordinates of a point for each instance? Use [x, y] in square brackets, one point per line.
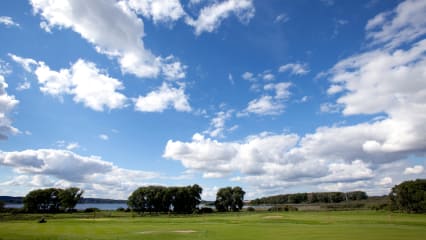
[359, 225]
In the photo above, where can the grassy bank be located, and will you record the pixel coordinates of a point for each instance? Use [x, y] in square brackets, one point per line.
[286, 225]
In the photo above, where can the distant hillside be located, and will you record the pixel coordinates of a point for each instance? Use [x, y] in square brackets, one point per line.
[11, 200]
[19, 200]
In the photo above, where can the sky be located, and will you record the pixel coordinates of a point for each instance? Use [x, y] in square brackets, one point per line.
[274, 96]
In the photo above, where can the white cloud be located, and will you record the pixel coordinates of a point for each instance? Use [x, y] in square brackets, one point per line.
[333, 89]
[386, 181]
[265, 105]
[281, 89]
[414, 170]
[269, 105]
[103, 137]
[83, 80]
[94, 88]
[404, 24]
[7, 104]
[67, 145]
[231, 79]
[294, 68]
[23, 86]
[52, 167]
[268, 77]
[248, 76]
[330, 108]
[73, 145]
[211, 17]
[172, 69]
[217, 124]
[26, 63]
[163, 98]
[159, 10]
[113, 29]
[8, 21]
[282, 18]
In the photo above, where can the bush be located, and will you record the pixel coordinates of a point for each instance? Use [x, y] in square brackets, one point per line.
[89, 210]
[286, 208]
[205, 210]
[120, 209]
[251, 209]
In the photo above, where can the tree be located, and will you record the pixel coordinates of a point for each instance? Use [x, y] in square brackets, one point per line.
[43, 200]
[1, 206]
[70, 197]
[409, 196]
[229, 199]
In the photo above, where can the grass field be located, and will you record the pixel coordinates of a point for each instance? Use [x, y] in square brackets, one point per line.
[360, 225]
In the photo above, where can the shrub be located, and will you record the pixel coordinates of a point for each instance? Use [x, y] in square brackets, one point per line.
[206, 210]
[251, 209]
[89, 210]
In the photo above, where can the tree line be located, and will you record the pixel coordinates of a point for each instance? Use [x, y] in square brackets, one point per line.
[409, 196]
[315, 197]
[165, 199]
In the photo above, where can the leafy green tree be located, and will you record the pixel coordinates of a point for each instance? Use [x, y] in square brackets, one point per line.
[43, 200]
[69, 197]
[229, 199]
[409, 196]
[1, 206]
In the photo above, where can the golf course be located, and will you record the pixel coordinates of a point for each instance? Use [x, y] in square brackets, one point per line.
[244, 225]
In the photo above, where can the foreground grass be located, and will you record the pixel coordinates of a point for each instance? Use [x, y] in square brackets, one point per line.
[288, 225]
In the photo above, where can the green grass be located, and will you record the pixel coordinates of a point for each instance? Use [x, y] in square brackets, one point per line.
[358, 225]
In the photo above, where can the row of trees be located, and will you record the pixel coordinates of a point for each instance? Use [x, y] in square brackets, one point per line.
[409, 196]
[52, 199]
[165, 199]
[315, 197]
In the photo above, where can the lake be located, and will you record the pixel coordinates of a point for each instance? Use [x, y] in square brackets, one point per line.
[82, 206]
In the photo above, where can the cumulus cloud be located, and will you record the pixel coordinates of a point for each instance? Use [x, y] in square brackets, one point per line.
[294, 68]
[8, 21]
[211, 16]
[414, 170]
[52, 167]
[160, 11]
[83, 80]
[7, 104]
[111, 26]
[267, 104]
[163, 98]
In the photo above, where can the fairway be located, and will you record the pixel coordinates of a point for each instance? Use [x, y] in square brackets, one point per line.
[294, 225]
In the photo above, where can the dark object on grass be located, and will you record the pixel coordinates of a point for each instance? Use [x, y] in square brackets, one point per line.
[88, 210]
[205, 210]
[251, 209]
[42, 220]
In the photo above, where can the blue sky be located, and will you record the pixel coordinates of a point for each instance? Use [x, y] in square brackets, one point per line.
[274, 96]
